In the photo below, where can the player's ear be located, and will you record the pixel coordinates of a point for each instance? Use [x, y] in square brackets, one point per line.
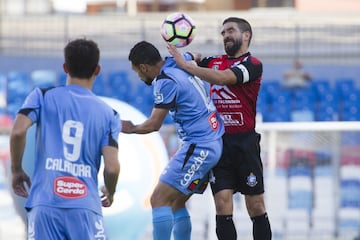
[143, 67]
[97, 70]
[65, 68]
[246, 35]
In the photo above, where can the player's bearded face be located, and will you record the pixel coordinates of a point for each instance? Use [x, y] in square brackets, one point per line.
[232, 45]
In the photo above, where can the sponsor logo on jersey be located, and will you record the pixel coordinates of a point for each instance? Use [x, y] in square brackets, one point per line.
[222, 92]
[70, 187]
[195, 185]
[31, 231]
[100, 235]
[251, 180]
[214, 123]
[198, 161]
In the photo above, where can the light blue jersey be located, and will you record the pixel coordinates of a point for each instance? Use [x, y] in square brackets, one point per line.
[68, 148]
[198, 126]
[189, 104]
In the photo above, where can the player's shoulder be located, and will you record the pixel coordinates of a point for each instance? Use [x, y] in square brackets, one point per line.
[254, 59]
[206, 61]
[170, 73]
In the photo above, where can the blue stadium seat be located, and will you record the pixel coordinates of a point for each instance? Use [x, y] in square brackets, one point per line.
[344, 86]
[62, 78]
[327, 111]
[271, 88]
[350, 113]
[43, 78]
[100, 87]
[142, 103]
[19, 85]
[120, 86]
[304, 115]
[262, 103]
[300, 199]
[304, 99]
[350, 193]
[278, 113]
[320, 85]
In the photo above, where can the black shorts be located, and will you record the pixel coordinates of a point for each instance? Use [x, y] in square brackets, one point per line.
[240, 167]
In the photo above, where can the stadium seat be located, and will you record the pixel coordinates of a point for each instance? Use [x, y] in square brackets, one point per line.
[43, 78]
[327, 111]
[297, 223]
[62, 78]
[320, 85]
[282, 97]
[322, 158]
[18, 87]
[100, 87]
[349, 223]
[305, 115]
[120, 86]
[350, 138]
[304, 99]
[142, 104]
[262, 102]
[344, 86]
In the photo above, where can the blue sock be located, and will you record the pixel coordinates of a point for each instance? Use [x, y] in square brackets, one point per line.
[162, 219]
[182, 225]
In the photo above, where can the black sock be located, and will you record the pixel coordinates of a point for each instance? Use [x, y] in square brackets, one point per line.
[261, 227]
[225, 229]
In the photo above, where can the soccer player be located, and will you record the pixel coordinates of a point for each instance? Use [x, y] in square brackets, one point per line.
[74, 129]
[234, 91]
[198, 126]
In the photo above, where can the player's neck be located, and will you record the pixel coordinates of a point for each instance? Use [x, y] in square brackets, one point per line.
[241, 52]
[87, 83]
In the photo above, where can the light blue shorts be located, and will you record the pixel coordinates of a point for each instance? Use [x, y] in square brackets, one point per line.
[188, 170]
[64, 223]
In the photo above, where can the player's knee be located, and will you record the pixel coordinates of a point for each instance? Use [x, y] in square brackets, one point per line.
[255, 207]
[223, 204]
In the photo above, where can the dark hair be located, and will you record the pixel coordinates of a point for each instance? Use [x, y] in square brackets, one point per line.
[144, 53]
[81, 57]
[243, 25]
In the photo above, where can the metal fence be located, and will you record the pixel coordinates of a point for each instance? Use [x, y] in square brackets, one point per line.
[278, 36]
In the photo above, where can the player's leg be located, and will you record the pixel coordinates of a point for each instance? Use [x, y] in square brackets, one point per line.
[91, 227]
[182, 222]
[223, 184]
[45, 223]
[162, 215]
[253, 187]
[257, 212]
[225, 227]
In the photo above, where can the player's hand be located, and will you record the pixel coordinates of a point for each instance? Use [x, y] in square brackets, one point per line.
[106, 198]
[127, 126]
[180, 61]
[19, 179]
[177, 55]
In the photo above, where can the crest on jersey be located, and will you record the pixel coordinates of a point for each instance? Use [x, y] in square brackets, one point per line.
[251, 180]
[159, 98]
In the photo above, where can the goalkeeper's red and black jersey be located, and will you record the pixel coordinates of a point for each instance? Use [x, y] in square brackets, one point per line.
[237, 103]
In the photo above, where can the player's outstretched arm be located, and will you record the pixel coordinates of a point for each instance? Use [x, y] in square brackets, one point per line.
[223, 77]
[152, 124]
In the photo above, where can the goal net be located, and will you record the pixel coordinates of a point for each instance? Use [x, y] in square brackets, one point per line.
[312, 183]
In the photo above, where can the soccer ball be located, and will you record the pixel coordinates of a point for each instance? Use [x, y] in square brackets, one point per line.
[178, 29]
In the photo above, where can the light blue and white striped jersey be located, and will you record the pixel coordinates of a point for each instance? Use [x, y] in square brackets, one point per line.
[190, 105]
[72, 127]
